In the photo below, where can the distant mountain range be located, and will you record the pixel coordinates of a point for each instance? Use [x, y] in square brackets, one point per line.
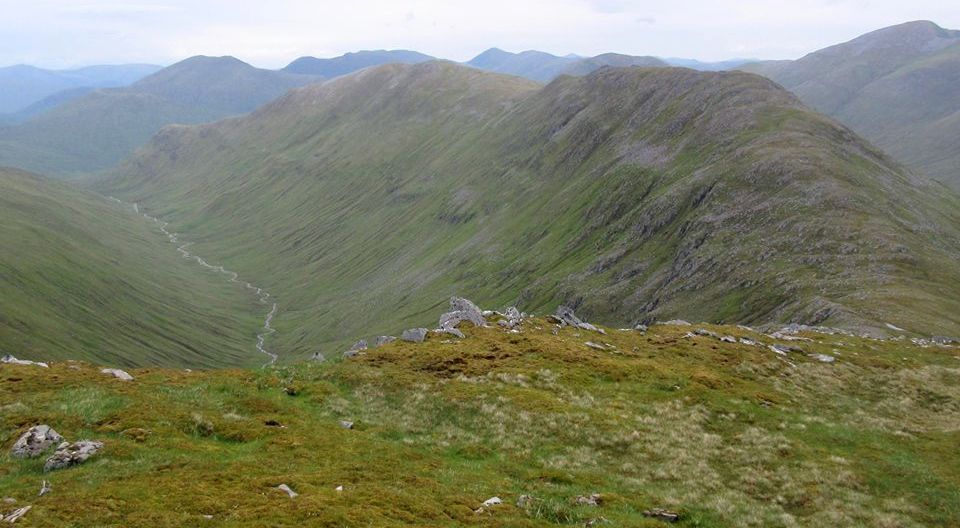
[899, 87]
[98, 129]
[544, 67]
[352, 62]
[22, 86]
[631, 194]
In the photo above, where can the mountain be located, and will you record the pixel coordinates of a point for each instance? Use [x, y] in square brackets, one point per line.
[97, 130]
[562, 433]
[44, 104]
[694, 64]
[634, 194]
[352, 62]
[22, 85]
[85, 278]
[544, 67]
[895, 86]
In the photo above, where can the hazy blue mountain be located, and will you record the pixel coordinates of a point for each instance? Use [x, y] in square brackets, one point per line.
[96, 130]
[351, 62]
[899, 87]
[544, 67]
[22, 85]
[695, 64]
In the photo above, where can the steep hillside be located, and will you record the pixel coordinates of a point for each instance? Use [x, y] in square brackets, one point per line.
[83, 278]
[95, 131]
[636, 194]
[351, 62]
[544, 67]
[895, 86]
[562, 434]
[22, 86]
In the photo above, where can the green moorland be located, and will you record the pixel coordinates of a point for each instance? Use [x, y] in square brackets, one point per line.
[85, 278]
[724, 434]
[635, 194]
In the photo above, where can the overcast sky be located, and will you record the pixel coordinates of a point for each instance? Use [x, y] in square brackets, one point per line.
[271, 33]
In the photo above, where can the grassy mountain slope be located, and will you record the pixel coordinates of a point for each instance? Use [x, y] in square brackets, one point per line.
[351, 62]
[636, 194]
[724, 434]
[83, 278]
[895, 86]
[21, 86]
[98, 130]
[544, 67]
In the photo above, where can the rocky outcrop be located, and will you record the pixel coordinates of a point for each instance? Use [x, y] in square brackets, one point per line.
[414, 335]
[566, 316]
[10, 360]
[384, 340]
[68, 454]
[357, 347]
[462, 310]
[35, 441]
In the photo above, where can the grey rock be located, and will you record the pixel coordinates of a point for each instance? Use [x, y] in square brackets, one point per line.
[359, 345]
[35, 441]
[10, 360]
[15, 515]
[678, 322]
[662, 515]
[68, 454]
[566, 315]
[823, 358]
[45, 488]
[286, 489]
[492, 501]
[351, 353]
[454, 332]
[596, 346]
[705, 332]
[414, 335]
[462, 310]
[525, 501]
[346, 424]
[318, 356]
[748, 342]
[593, 499]
[641, 328]
[384, 340]
[117, 373]
[728, 339]
[512, 313]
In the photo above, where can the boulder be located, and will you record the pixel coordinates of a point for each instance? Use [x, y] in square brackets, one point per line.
[454, 332]
[35, 441]
[641, 328]
[678, 322]
[68, 454]
[286, 489]
[567, 317]
[346, 424]
[14, 361]
[359, 345]
[594, 499]
[823, 358]
[462, 310]
[706, 333]
[383, 340]
[728, 339]
[414, 335]
[662, 515]
[15, 515]
[318, 356]
[117, 373]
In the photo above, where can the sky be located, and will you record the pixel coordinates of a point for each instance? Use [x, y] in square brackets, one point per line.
[270, 34]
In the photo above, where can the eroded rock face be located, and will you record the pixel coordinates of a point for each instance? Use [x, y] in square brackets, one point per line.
[68, 454]
[462, 310]
[566, 315]
[35, 441]
[414, 335]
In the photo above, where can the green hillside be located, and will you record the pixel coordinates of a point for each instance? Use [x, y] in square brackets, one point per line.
[895, 86]
[97, 130]
[84, 278]
[723, 434]
[634, 194]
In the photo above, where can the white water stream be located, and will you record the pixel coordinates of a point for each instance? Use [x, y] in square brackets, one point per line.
[234, 277]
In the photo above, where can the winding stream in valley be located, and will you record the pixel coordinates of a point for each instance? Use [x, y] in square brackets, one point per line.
[261, 294]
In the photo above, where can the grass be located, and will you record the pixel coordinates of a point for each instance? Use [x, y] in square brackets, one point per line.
[725, 434]
[84, 278]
